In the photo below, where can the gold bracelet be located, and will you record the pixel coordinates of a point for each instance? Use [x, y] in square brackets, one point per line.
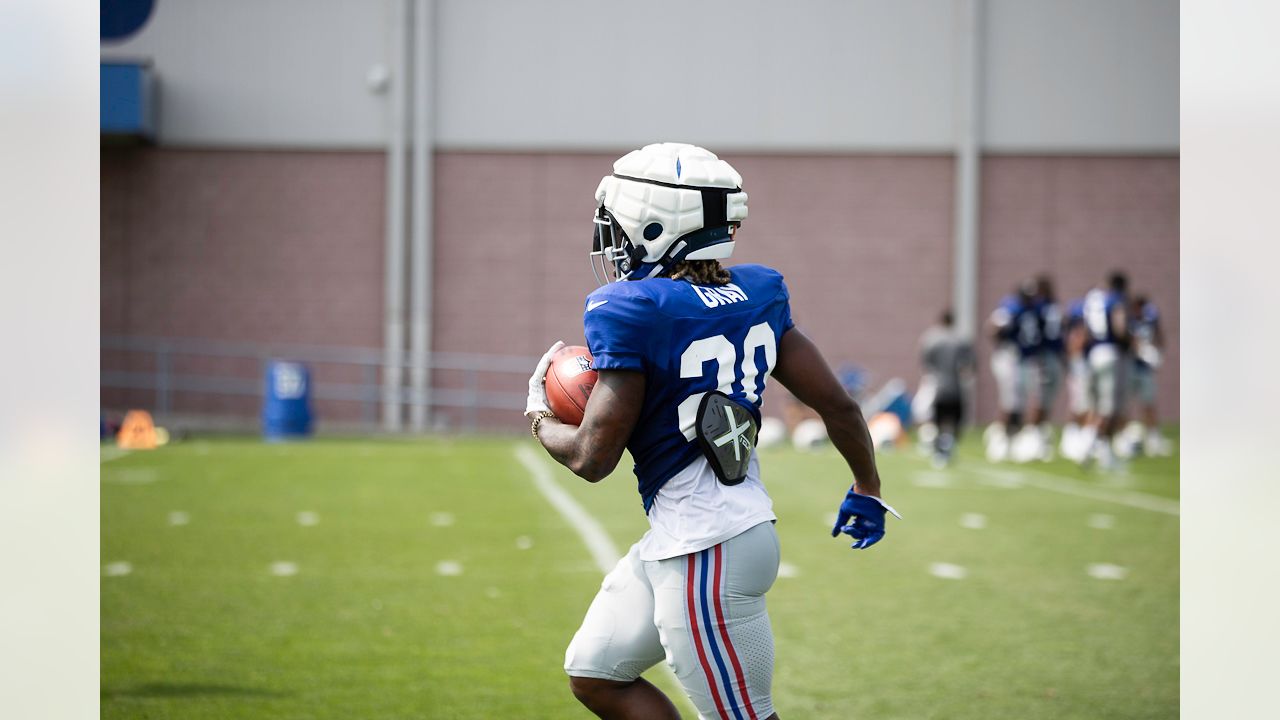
[537, 420]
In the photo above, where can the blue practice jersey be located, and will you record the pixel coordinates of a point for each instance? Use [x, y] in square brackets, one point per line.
[1052, 327]
[1144, 330]
[1018, 323]
[1075, 312]
[1097, 310]
[687, 339]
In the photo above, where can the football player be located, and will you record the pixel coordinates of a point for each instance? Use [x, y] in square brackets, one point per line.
[685, 348]
[1075, 444]
[1041, 371]
[947, 357]
[1148, 348]
[1015, 327]
[1107, 331]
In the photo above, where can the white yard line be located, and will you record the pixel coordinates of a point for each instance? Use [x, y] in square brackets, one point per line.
[108, 453]
[598, 543]
[602, 549]
[1070, 486]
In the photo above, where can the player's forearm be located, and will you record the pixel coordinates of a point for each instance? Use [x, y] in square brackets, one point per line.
[848, 432]
[564, 443]
[802, 370]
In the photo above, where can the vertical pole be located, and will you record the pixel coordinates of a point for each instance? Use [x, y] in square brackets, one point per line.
[473, 399]
[969, 81]
[369, 389]
[420, 255]
[163, 385]
[393, 268]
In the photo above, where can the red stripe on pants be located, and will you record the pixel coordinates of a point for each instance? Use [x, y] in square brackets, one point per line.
[697, 640]
[724, 635]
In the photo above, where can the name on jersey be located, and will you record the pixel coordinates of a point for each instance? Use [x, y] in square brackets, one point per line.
[720, 295]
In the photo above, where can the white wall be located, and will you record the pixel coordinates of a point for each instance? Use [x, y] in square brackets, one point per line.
[1081, 75]
[277, 73]
[877, 75]
[749, 74]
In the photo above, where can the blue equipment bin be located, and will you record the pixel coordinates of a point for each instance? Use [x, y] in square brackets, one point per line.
[286, 405]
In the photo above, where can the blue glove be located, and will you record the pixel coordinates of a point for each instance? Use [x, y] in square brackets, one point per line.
[862, 518]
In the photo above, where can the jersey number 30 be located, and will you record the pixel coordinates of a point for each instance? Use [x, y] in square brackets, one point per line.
[727, 358]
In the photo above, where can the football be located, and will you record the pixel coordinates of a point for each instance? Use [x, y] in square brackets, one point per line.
[569, 382]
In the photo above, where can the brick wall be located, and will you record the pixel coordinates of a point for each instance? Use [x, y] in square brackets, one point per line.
[1078, 218]
[287, 246]
[240, 245]
[863, 241]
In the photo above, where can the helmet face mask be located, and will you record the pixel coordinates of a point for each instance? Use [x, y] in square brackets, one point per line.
[610, 257]
[664, 203]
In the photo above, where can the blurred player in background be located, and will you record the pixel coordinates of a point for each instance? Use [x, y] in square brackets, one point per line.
[684, 348]
[1042, 373]
[1148, 352]
[1015, 327]
[1075, 443]
[947, 357]
[1105, 313]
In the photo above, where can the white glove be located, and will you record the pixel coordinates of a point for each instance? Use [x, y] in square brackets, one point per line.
[537, 401]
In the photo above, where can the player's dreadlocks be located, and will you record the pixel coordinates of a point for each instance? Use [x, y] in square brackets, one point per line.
[701, 272]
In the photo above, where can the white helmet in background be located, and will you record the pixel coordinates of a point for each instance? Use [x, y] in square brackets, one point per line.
[665, 203]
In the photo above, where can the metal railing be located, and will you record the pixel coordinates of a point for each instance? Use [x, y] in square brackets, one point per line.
[165, 381]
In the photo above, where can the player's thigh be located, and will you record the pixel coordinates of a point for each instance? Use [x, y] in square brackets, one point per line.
[947, 411]
[1078, 386]
[711, 615]
[1051, 374]
[1004, 369]
[1028, 376]
[1143, 385]
[618, 639]
[1105, 383]
[1121, 388]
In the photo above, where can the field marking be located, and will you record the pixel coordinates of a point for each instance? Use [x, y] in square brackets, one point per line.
[524, 542]
[1106, 571]
[449, 568]
[1101, 521]
[284, 568]
[131, 476]
[178, 517]
[442, 519]
[307, 518]
[1001, 479]
[598, 543]
[787, 570]
[1069, 486]
[117, 569]
[603, 551]
[109, 453]
[947, 571]
[973, 521]
[932, 479]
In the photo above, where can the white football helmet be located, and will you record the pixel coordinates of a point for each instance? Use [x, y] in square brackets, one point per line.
[665, 203]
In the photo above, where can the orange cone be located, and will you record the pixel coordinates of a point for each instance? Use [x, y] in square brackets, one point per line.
[138, 431]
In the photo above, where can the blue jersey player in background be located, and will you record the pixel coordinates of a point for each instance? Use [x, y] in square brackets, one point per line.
[1040, 372]
[1147, 356]
[1075, 441]
[685, 349]
[1015, 328]
[1106, 322]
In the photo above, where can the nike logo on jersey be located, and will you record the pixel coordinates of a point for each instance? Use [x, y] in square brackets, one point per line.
[721, 295]
[593, 305]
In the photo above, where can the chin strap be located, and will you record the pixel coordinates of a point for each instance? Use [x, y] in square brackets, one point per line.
[682, 248]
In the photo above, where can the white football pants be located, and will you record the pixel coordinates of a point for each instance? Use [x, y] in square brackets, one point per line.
[704, 613]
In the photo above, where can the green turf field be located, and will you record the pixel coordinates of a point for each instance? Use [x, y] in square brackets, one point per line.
[431, 579]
